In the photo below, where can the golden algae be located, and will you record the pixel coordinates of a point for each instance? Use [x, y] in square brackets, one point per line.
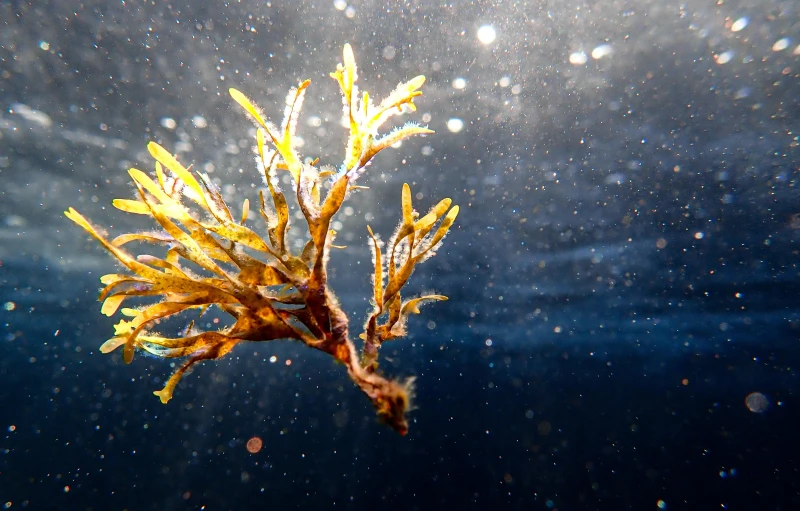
[270, 291]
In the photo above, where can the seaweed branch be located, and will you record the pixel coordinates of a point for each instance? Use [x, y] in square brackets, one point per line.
[270, 291]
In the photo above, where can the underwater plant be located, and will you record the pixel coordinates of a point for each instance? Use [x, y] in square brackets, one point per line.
[270, 291]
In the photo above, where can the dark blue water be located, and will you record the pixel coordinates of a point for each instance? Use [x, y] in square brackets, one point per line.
[624, 314]
[621, 409]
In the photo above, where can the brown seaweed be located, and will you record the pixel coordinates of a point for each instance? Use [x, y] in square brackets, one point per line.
[270, 291]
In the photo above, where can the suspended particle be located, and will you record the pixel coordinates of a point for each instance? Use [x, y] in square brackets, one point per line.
[487, 34]
[578, 58]
[756, 402]
[455, 125]
[781, 44]
[739, 24]
[254, 445]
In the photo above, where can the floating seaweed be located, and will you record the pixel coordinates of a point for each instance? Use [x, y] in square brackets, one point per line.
[270, 291]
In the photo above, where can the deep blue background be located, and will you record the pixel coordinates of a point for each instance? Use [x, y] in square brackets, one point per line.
[623, 273]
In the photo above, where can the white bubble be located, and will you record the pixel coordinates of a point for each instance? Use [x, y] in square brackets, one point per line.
[389, 52]
[455, 125]
[169, 123]
[724, 57]
[601, 51]
[340, 5]
[781, 44]
[183, 147]
[459, 83]
[505, 81]
[199, 122]
[739, 24]
[756, 402]
[578, 58]
[486, 34]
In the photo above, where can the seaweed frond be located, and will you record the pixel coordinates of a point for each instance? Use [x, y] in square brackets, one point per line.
[412, 242]
[364, 118]
[215, 259]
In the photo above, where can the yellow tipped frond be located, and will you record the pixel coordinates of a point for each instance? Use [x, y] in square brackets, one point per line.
[123, 327]
[245, 210]
[165, 395]
[444, 227]
[402, 96]
[424, 224]
[162, 181]
[239, 234]
[113, 278]
[408, 209]
[111, 304]
[112, 344]
[346, 74]
[364, 118]
[147, 237]
[131, 206]
[248, 106]
[294, 103]
[169, 161]
[397, 135]
[156, 190]
[378, 276]
[412, 306]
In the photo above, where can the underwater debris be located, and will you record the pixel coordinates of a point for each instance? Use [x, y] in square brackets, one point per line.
[270, 291]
